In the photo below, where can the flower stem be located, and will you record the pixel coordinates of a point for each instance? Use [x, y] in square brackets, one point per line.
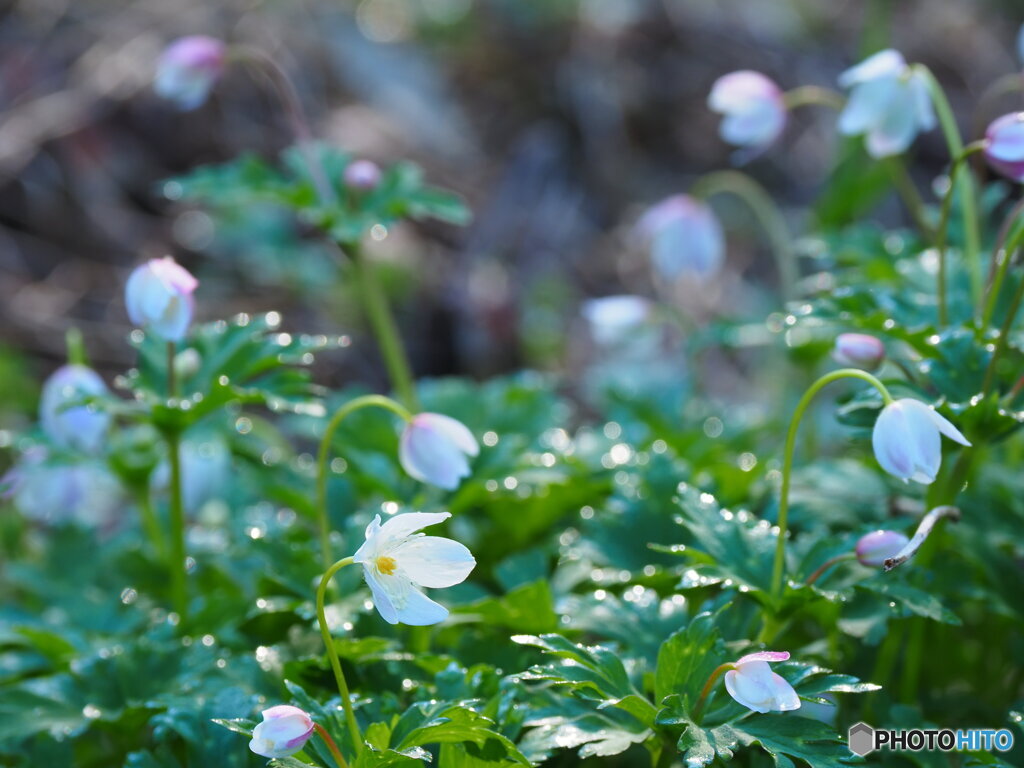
[331, 745]
[1001, 340]
[366, 401]
[910, 196]
[828, 564]
[720, 670]
[965, 182]
[787, 462]
[942, 231]
[332, 654]
[150, 523]
[177, 554]
[292, 106]
[1002, 254]
[75, 346]
[765, 211]
[813, 95]
[383, 323]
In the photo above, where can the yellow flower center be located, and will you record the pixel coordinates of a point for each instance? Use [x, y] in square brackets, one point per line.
[386, 565]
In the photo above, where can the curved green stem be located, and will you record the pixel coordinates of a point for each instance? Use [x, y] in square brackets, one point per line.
[765, 211]
[332, 745]
[366, 401]
[813, 95]
[942, 232]
[1002, 254]
[828, 564]
[965, 182]
[383, 323]
[332, 654]
[787, 461]
[708, 686]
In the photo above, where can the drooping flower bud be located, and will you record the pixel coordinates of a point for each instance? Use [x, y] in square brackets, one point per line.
[858, 350]
[283, 732]
[362, 175]
[906, 440]
[753, 108]
[613, 319]
[874, 548]
[753, 684]
[1004, 146]
[434, 449]
[158, 296]
[889, 104]
[683, 237]
[79, 427]
[189, 68]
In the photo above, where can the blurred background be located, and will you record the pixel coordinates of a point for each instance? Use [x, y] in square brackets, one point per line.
[558, 121]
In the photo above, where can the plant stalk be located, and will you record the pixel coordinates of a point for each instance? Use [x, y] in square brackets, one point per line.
[332, 654]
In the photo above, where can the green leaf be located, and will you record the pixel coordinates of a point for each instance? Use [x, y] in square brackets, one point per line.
[687, 658]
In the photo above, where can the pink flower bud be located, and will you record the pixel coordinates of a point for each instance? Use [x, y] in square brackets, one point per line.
[283, 732]
[753, 108]
[80, 427]
[753, 684]
[433, 449]
[158, 296]
[1004, 145]
[189, 68]
[362, 175]
[683, 237]
[858, 350]
[876, 547]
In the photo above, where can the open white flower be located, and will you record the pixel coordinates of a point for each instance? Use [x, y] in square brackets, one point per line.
[889, 104]
[753, 684]
[907, 442]
[397, 560]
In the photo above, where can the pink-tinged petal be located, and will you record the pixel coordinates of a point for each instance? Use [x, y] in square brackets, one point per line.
[765, 656]
[433, 561]
[1005, 137]
[874, 548]
[858, 350]
[452, 429]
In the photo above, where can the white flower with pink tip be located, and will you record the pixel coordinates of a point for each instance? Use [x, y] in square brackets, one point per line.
[753, 684]
[283, 732]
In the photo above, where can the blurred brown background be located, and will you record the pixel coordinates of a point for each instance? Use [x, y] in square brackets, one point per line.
[557, 120]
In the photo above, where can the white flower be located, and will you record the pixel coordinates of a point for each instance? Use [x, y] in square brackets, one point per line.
[906, 440]
[158, 296]
[397, 559]
[753, 684]
[283, 732]
[683, 237]
[753, 108]
[433, 449]
[614, 319]
[889, 104]
[79, 427]
[188, 69]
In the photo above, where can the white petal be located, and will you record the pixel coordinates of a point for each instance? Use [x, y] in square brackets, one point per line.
[786, 699]
[431, 457]
[887, 63]
[434, 561]
[892, 450]
[922, 98]
[748, 691]
[453, 429]
[867, 106]
[420, 611]
[381, 597]
[946, 427]
[407, 523]
[923, 435]
[894, 133]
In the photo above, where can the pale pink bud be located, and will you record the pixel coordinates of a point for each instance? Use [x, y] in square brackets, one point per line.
[362, 175]
[1004, 145]
[753, 109]
[858, 350]
[189, 68]
[683, 237]
[158, 296]
[875, 548]
[283, 732]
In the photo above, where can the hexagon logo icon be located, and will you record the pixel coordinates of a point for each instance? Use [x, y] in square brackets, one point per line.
[861, 738]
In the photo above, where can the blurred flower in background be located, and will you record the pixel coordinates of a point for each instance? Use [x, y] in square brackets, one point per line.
[158, 296]
[78, 427]
[683, 237]
[889, 104]
[754, 113]
[1004, 145]
[57, 491]
[188, 70]
[858, 350]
